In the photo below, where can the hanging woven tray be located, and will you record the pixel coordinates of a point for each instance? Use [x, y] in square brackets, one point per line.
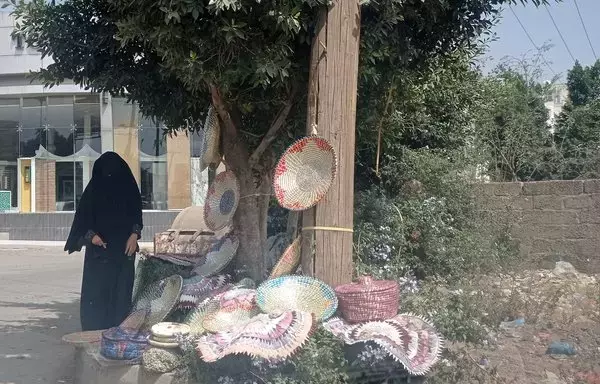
[304, 173]
[368, 299]
[289, 261]
[222, 201]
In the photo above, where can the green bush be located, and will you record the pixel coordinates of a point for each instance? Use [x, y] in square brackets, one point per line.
[423, 221]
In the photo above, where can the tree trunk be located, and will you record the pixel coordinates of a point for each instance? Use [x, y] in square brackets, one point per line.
[250, 224]
[327, 236]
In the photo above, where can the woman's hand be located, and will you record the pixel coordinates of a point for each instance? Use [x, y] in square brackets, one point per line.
[131, 245]
[97, 241]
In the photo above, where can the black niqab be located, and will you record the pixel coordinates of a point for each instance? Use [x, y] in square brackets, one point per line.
[110, 205]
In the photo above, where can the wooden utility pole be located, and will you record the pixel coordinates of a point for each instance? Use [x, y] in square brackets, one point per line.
[327, 228]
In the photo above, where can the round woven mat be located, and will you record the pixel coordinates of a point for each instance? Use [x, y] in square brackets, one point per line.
[219, 257]
[221, 201]
[297, 293]
[210, 140]
[159, 299]
[289, 261]
[83, 338]
[304, 173]
[232, 308]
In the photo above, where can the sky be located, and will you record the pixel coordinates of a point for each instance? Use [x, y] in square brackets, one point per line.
[512, 41]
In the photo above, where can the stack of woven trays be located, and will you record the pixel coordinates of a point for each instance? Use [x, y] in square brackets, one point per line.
[164, 335]
[368, 300]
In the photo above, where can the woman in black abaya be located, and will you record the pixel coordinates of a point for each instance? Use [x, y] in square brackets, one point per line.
[108, 222]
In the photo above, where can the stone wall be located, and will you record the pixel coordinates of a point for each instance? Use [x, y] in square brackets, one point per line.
[550, 220]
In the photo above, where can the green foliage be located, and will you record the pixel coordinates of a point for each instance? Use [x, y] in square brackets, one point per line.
[429, 226]
[512, 132]
[577, 131]
[584, 83]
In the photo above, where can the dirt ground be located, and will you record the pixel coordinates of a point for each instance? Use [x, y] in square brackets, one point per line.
[556, 306]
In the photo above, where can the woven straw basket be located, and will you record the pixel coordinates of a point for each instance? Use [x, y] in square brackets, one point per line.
[368, 299]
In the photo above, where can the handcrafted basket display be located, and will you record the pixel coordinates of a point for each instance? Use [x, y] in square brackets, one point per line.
[123, 343]
[159, 299]
[368, 299]
[218, 258]
[231, 309]
[210, 139]
[289, 261]
[265, 336]
[304, 173]
[222, 201]
[83, 338]
[297, 293]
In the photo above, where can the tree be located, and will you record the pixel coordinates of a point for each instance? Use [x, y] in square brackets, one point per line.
[584, 83]
[512, 128]
[248, 58]
[577, 131]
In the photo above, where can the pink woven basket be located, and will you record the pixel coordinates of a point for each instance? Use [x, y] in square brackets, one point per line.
[368, 299]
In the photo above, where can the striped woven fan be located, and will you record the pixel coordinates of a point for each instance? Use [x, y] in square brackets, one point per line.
[408, 339]
[265, 336]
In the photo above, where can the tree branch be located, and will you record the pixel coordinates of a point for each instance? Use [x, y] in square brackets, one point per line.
[221, 108]
[273, 129]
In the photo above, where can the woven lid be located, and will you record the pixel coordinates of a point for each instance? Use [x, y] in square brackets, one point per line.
[366, 284]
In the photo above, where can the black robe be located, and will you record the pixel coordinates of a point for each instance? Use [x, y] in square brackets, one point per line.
[110, 207]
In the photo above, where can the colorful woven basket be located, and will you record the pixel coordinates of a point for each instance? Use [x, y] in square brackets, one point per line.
[222, 201]
[210, 140]
[219, 257]
[297, 293]
[304, 173]
[368, 299]
[289, 261]
[159, 299]
[123, 343]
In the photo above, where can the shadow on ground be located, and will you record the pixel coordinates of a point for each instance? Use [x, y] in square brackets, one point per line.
[31, 350]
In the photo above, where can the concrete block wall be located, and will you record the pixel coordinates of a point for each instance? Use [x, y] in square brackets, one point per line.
[55, 226]
[551, 220]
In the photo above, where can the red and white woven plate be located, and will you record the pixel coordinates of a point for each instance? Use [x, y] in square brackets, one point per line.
[221, 201]
[304, 173]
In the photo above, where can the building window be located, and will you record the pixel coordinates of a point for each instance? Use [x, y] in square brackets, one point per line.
[86, 117]
[153, 186]
[196, 143]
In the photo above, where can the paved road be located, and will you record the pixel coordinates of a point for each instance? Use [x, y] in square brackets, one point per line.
[39, 303]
